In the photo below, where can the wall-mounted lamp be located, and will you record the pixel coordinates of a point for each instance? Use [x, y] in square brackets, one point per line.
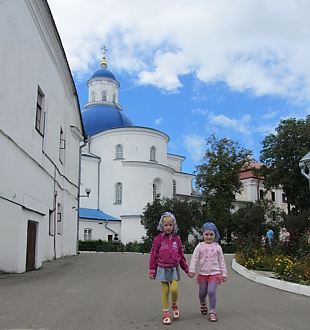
[88, 191]
[305, 162]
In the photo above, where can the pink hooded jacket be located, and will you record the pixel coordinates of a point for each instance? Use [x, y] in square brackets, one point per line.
[167, 252]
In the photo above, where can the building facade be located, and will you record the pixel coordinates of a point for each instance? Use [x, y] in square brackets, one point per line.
[253, 189]
[41, 132]
[125, 166]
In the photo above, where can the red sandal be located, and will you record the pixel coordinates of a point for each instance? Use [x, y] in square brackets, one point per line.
[203, 308]
[212, 317]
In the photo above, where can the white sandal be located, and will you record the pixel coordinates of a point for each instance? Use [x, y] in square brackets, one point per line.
[167, 320]
[175, 314]
[175, 311]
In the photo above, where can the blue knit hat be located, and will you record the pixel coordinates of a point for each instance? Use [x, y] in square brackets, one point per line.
[211, 226]
[160, 223]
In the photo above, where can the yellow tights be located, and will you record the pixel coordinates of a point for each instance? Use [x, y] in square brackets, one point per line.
[173, 288]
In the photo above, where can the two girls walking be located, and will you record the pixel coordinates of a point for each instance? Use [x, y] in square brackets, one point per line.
[167, 255]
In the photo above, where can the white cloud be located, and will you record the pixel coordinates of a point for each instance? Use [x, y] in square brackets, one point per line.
[195, 146]
[158, 121]
[260, 45]
[270, 115]
[199, 111]
[266, 129]
[167, 68]
[240, 125]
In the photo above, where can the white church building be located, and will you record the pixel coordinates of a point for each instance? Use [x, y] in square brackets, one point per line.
[124, 165]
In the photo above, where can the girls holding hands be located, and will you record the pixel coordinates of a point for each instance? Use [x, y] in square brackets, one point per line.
[166, 256]
[212, 268]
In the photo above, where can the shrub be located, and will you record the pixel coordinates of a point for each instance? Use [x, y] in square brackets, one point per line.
[113, 246]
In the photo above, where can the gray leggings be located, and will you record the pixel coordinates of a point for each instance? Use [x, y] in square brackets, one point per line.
[210, 290]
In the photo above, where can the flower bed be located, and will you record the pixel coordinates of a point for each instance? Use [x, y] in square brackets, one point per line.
[290, 262]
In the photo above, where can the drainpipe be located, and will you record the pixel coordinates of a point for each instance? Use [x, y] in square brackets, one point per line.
[98, 181]
[78, 197]
[98, 187]
[55, 219]
[106, 226]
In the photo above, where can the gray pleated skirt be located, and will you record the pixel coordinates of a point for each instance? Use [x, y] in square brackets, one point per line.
[167, 274]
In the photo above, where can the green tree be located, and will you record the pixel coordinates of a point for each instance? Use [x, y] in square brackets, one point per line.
[218, 179]
[251, 218]
[298, 222]
[280, 156]
[188, 213]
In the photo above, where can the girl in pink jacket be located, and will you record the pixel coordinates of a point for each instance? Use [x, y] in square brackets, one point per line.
[212, 268]
[166, 256]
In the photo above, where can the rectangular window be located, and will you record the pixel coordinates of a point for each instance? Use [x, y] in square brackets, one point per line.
[174, 187]
[273, 196]
[119, 151]
[283, 198]
[59, 223]
[87, 234]
[153, 154]
[40, 112]
[118, 193]
[62, 146]
[51, 222]
[261, 194]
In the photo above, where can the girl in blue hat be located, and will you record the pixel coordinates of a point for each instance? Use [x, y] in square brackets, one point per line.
[212, 268]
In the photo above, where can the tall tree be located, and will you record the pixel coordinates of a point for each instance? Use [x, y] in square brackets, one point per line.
[251, 218]
[188, 213]
[280, 155]
[218, 178]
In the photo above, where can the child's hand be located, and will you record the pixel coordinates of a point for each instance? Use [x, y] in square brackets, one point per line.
[152, 276]
[191, 275]
[224, 279]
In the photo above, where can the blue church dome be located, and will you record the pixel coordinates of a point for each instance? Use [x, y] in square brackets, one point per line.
[98, 118]
[103, 73]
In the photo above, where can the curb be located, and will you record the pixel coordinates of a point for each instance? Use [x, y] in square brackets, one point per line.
[278, 284]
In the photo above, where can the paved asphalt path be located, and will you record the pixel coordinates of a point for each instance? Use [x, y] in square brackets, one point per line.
[112, 291]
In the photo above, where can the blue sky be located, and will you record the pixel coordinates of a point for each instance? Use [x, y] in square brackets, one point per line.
[194, 68]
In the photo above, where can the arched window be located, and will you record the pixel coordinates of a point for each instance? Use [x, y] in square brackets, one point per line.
[114, 97]
[93, 96]
[157, 188]
[119, 151]
[174, 187]
[103, 95]
[153, 154]
[154, 191]
[118, 193]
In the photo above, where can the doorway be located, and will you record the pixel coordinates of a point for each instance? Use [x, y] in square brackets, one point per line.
[31, 245]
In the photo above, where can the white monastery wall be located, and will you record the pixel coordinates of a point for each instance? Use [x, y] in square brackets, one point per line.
[34, 182]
